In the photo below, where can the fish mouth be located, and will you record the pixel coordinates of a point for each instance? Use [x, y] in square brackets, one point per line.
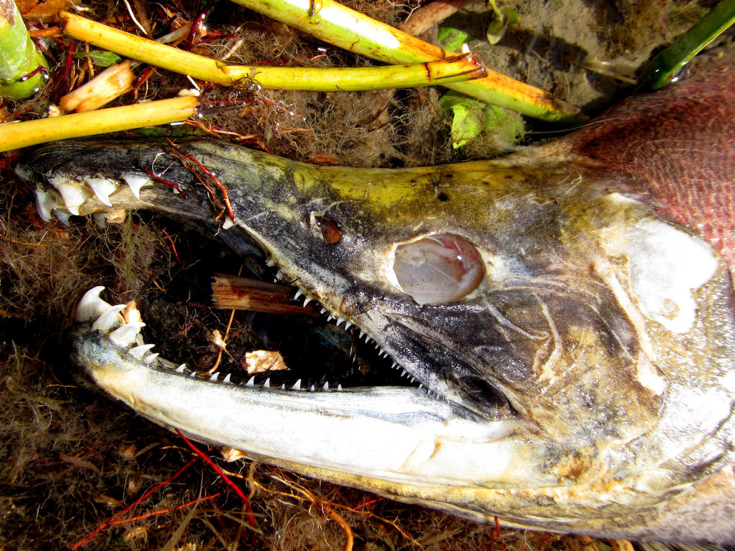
[398, 427]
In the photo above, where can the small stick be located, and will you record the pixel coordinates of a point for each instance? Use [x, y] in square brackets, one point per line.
[240, 293]
[23, 134]
[116, 516]
[226, 478]
[422, 19]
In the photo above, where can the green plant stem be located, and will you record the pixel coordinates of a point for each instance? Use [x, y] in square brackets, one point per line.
[446, 71]
[664, 67]
[18, 56]
[351, 30]
[23, 134]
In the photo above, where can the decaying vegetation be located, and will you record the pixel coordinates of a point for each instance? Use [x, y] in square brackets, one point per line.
[76, 470]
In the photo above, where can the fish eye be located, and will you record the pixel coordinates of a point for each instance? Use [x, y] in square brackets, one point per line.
[438, 268]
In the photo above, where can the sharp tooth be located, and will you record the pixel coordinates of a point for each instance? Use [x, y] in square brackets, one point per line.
[214, 376]
[139, 351]
[307, 300]
[330, 317]
[324, 310]
[348, 325]
[151, 358]
[228, 223]
[297, 386]
[326, 386]
[181, 368]
[46, 202]
[339, 388]
[100, 218]
[193, 374]
[421, 386]
[312, 389]
[136, 182]
[362, 333]
[102, 188]
[270, 262]
[125, 334]
[394, 365]
[267, 383]
[227, 378]
[73, 194]
[340, 320]
[109, 319]
[63, 215]
[251, 381]
[299, 292]
[91, 305]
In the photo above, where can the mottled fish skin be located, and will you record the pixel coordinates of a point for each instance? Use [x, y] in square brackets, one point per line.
[602, 331]
[674, 150]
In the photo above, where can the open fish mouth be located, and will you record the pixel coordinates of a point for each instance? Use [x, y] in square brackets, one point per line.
[394, 426]
[576, 347]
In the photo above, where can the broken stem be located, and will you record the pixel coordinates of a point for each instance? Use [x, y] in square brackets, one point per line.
[451, 70]
[666, 65]
[351, 30]
[24, 134]
[22, 67]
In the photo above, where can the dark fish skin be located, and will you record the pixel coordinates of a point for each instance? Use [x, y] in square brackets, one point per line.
[616, 375]
[674, 149]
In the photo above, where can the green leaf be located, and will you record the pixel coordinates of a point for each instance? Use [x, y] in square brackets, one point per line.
[99, 57]
[500, 23]
[473, 119]
[452, 39]
[468, 118]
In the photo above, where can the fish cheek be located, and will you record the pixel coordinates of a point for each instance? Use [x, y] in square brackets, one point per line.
[569, 362]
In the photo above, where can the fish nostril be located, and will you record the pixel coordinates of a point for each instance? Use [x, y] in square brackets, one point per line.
[438, 268]
[330, 231]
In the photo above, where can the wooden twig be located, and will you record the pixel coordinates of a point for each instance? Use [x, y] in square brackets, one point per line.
[422, 19]
[240, 293]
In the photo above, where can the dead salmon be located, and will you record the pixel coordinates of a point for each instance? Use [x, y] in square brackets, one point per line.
[566, 313]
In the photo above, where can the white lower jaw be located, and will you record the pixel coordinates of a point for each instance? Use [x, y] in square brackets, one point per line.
[393, 434]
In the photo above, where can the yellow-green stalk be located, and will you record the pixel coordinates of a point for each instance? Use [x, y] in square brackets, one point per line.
[351, 30]
[446, 71]
[18, 56]
[23, 134]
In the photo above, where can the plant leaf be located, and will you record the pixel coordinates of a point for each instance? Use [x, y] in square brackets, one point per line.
[100, 58]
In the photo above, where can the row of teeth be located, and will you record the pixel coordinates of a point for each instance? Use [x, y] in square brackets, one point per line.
[280, 276]
[127, 333]
[68, 195]
[339, 320]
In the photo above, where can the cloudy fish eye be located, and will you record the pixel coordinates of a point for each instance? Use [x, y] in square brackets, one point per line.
[438, 268]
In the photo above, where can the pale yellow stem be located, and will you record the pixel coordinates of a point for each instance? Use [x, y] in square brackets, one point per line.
[339, 25]
[23, 134]
[447, 71]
